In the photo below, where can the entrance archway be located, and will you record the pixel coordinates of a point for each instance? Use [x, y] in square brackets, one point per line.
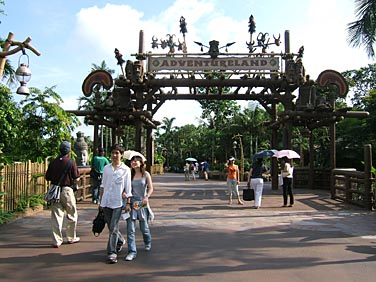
[267, 77]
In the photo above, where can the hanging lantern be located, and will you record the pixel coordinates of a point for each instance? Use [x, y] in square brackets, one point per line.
[23, 75]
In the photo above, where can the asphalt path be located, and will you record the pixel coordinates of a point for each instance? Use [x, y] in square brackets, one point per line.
[197, 236]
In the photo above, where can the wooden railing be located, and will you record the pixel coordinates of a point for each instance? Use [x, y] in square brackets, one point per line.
[20, 180]
[355, 187]
[321, 178]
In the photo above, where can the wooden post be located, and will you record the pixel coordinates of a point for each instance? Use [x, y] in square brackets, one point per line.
[368, 196]
[287, 41]
[6, 47]
[274, 142]
[311, 173]
[20, 47]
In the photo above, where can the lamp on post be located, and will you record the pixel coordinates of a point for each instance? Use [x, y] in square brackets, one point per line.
[235, 146]
[238, 136]
[23, 75]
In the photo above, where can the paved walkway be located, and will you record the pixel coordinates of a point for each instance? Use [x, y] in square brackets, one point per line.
[197, 236]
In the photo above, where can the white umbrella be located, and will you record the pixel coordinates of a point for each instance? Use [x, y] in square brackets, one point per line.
[191, 159]
[290, 154]
[129, 154]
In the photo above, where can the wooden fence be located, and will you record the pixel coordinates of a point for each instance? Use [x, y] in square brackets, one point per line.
[356, 187]
[20, 180]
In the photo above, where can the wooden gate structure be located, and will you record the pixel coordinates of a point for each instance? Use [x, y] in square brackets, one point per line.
[267, 77]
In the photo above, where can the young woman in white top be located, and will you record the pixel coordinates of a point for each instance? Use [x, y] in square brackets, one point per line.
[287, 175]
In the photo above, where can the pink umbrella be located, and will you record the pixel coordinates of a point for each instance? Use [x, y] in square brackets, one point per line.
[290, 154]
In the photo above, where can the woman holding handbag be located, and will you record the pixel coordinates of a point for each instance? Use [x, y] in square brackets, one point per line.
[256, 181]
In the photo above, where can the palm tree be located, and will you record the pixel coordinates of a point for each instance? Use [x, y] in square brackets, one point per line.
[168, 136]
[362, 32]
[102, 66]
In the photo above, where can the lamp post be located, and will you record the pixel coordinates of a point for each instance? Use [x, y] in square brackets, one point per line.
[235, 146]
[23, 73]
[239, 137]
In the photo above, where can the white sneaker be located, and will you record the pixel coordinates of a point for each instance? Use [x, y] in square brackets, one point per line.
[130, 256]
[148, 247]
[112, 258]
[74, 240]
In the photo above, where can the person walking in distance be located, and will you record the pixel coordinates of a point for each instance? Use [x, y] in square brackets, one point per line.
[205, 169]
[97, 166]
[67, 204]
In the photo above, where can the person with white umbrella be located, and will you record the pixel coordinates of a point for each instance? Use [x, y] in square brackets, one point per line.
[287, 175]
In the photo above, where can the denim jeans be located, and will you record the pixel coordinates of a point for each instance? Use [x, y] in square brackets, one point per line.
[112, 217]
[131, 234]
[96, 185]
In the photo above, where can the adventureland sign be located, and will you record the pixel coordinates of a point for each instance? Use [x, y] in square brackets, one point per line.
[202, 64]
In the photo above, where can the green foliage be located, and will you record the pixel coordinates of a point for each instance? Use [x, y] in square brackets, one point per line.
[22, 204]
[45, 124]
[34, 128]
[159, 159]
[36, 200]
[6, 216]
[362, 32]
[360, 82]
[30, 202]
[353, 134]
[10, 121]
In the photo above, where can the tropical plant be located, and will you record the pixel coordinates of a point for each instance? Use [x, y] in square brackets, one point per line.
[362, 32]
[10, 122]
[45, 124]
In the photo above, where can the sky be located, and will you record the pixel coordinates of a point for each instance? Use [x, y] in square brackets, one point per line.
[74, 34]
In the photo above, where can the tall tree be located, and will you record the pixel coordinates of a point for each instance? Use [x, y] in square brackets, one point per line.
[45, 123]
[362, 32]
[166, 139]
[361, 82]
[10, 122]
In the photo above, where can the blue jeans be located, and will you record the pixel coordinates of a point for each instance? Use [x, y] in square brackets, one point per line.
[115, 238]
[96, 185]
[131, 234]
